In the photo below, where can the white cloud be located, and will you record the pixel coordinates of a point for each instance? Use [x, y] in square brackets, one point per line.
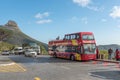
[43, 15]
[44, 21]
[82, 3]
[88, 4]
[43, 18]
[115, 12]
[94, 8]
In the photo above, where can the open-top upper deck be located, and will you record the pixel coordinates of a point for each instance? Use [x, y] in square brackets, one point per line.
[74, 39]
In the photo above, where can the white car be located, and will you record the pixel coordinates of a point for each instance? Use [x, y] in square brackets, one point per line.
[5, 52]
[31, 53]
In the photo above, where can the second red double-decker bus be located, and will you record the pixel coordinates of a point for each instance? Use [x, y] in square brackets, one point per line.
[75, 46]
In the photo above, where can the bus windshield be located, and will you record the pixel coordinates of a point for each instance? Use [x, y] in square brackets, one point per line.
[89, 48]
[87, 37]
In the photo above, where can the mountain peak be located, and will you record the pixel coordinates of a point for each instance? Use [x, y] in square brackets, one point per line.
[12, 25]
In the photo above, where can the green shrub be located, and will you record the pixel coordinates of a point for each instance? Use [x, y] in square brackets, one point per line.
[6, 46]
[104, 53]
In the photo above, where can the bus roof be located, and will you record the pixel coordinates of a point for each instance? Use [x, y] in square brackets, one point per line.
[80, 33]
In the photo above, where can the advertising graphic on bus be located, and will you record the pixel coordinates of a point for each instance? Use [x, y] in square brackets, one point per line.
[75, 46]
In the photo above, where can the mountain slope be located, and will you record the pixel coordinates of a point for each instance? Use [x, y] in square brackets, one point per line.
[17, 37]
[106, 47]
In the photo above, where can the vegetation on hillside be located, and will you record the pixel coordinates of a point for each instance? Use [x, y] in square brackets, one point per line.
[6, 46]
[4, 34]
[43, 50]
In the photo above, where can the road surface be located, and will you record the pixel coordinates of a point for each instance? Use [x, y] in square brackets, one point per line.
[49, 68]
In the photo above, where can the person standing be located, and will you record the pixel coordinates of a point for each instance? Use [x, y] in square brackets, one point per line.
[117, 53]
[97, 52]
[110, 51]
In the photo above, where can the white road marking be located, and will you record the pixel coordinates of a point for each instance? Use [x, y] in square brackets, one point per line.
[7, 64]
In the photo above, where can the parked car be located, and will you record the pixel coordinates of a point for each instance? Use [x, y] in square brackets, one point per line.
[6, 52]
[18, 51]
[30, 52]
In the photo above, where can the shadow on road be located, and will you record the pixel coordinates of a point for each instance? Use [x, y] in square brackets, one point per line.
[110, 75]
[40, 59]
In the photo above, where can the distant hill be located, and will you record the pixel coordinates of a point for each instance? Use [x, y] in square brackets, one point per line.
[106, 47]
[17, 37]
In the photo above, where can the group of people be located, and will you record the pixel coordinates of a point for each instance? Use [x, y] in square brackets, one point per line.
[113, 55]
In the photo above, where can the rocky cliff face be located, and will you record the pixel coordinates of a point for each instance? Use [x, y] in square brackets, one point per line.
[12, 25]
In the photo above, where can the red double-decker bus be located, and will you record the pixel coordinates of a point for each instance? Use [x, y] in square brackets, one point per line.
[75, 46]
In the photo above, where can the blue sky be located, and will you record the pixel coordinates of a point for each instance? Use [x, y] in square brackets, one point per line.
[44, 20]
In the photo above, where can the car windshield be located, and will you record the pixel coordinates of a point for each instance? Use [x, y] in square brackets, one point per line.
[89, 48]
[5, 51]
[30, 50]
[87, 37]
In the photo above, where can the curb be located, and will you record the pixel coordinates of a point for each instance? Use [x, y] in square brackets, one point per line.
[111, 61]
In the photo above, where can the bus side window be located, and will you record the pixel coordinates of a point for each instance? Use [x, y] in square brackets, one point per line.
[80, 50]
[68, 49]
[73, 36]
[77, 36]
[66, 37]
[69, 37]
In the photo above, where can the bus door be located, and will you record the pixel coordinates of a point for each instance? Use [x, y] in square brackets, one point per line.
[79, 52]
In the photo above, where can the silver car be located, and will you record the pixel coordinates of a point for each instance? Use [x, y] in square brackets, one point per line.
[30, 52]
[5, 52]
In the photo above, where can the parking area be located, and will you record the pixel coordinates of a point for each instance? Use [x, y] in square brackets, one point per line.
[7, 65]
[44, 67]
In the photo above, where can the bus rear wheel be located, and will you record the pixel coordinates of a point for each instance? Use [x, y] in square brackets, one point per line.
[72, 57]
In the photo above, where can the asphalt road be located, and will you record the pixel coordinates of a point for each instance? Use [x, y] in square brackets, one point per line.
[49, 68]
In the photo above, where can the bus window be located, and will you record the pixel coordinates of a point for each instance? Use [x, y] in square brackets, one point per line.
[69, 37]
[87, 37]
[66, 37]
[54, 47]
[89, 48]
[68, 49]
[74, 49]
[77, 36]
[79, 50]
[61, 48]
[73, 36]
